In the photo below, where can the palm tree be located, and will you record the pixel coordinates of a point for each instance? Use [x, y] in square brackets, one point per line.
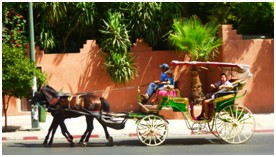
[200, 42]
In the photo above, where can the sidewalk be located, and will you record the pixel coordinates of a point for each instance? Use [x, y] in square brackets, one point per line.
[77, 126]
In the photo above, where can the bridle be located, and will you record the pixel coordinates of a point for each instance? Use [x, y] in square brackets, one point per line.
[49, 95]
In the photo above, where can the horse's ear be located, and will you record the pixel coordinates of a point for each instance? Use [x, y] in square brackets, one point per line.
[39, 87]
[36, 93]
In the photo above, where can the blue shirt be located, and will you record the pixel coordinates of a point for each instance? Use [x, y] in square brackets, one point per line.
[171, 81]
[163, 77]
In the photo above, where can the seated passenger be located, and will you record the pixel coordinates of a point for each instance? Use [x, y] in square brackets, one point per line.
[223, 83]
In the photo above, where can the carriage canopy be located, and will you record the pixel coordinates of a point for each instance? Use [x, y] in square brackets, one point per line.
[240, 68]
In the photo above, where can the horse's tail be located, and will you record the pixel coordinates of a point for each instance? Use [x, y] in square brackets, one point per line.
[105, 104]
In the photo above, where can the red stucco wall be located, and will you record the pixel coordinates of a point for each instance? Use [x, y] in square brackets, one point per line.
[79, 72]
[84, 71]
[259, 54]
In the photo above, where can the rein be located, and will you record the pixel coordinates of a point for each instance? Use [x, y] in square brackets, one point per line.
[132, 87]
[123, 88]
[145, 70]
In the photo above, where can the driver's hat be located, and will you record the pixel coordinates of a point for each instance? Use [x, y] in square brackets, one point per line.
[164, 66]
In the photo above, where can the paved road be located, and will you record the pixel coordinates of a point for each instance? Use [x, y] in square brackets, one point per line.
[259, 144]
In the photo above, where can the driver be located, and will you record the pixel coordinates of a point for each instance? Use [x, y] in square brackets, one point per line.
[153, 86]
[223, 83]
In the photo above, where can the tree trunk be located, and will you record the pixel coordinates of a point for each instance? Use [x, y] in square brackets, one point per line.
[196, 86]
[5, 107]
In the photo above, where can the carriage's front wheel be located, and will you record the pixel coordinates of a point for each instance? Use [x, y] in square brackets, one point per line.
[152, 130]
[235, 124]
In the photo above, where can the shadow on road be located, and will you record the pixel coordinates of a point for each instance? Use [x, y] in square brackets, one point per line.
[125, 142]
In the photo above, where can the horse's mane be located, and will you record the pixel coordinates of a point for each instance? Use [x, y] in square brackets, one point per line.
[50, 90]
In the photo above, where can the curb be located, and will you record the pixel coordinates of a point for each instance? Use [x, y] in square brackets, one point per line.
[32, 138]
[264, 131]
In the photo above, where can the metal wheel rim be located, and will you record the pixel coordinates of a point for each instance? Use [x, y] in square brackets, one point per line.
[235, 124]
[152, 130]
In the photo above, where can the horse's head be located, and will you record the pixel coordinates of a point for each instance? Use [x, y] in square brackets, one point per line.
[38, 97]
[44, 95]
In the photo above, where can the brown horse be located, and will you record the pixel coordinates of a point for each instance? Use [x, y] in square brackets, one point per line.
[63, 106]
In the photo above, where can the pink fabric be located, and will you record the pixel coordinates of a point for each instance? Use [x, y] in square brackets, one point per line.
[167, 93]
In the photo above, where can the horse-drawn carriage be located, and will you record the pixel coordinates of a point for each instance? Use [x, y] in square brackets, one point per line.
[229, 121]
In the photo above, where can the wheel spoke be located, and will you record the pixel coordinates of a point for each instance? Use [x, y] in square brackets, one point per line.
[241, 112]
[161, 125]
[231, 113]
[245, 118]
[158, 138]
[143, 126]
[236, 133]
[148, 123]
[246, 135]
[145, 133]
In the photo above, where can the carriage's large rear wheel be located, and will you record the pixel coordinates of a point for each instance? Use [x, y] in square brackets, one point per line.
[235, 124]
[152, 130]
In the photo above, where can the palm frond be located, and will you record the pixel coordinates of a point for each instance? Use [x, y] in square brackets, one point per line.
[190, 35]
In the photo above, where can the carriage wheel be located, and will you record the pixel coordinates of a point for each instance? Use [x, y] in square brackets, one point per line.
[235, 124]
[152, 130]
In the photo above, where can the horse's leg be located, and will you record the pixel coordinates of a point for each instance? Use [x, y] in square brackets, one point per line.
[65, 132]
[107, 136]
[89, 128]
[55, 123]
[106, 108]
[85, 132]
[54, 128]
[82, 137]
[49, 131]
